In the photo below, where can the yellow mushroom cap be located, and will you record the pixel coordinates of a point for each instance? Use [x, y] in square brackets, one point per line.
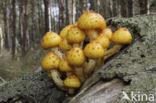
[122, 36]
[50, 61]
[50, 40]
[91, 20]
[64, 31]
[94, 50]
[64, 45]
[75, 35]
[103, 40]
[107, 32]
[64, 65]
[72, 81]
[76, 56]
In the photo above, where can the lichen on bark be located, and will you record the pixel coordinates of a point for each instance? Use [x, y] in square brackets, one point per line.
[34, 87]
[137, 64]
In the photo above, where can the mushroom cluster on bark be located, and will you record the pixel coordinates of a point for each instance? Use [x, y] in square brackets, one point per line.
[72, 60]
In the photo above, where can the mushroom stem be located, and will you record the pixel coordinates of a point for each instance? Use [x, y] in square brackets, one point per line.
[57, 51]
[79, 72]
[112, 51]
[71, 90]
[57, 80]
[99, 63]
[92, 34]
[78, 45]
[89, 67]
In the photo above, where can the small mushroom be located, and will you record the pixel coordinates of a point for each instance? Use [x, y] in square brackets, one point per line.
[65, 67]
[107, 32]
[71, 82]
[75, 36]
[91, 20]
[64, 31]
[120, 37]
[64, 45]
[52, 40]
[93, 51]
[103, 40]
[51, 62]
[76, 58]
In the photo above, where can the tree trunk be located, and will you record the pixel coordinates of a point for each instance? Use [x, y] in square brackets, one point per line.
[33, 23]
[93, 5]
[13, 27]
[67, 12]
[25, 27]
[6, 38]
[47, 15]
[81, 6]
[147, 6]
[123, 8]
[1, 40]
[144, 6]
[61, 18]
[70, 11]
[115, 8]
[130, 8]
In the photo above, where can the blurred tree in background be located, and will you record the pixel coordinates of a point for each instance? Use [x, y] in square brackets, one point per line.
[24, 22]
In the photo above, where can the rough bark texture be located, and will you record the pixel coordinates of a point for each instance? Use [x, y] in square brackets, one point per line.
[134, 66]
[35, 87]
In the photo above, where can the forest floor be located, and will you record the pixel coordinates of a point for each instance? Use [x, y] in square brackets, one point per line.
[10, 68]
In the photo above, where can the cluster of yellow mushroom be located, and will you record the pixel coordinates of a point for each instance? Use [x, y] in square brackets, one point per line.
[76, 59]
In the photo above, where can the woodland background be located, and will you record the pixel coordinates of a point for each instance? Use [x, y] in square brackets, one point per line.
[24, 22]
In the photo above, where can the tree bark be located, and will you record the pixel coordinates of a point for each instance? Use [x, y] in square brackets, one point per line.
[25, 27]
[67, 12]
[144, 6]
[33, 23]
[13, 27]
[6, 38]
[70, 11]
[47, 15]
[20, 25]
[130, 8]
[123, 8]
[115, 9]
[61, 18]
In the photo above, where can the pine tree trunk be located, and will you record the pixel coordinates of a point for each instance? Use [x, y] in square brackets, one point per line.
[70, 11]
[147, 6]
[130, 8]
[6, 39]
[47, 16]
[115, 8]
[61, 18]
[81, 4]
[123, 8]
[13, 2]
[67, 12]
[25, 27]
[33, 23]
[39, 16]
[144, 6]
